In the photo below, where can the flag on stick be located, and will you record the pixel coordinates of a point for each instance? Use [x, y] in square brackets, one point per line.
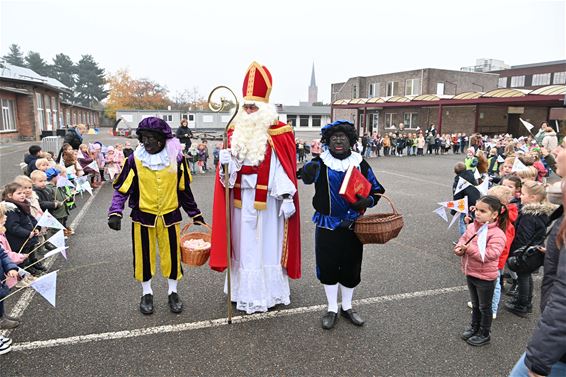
[62, 250]
[527, 125]
[58, 239]
[483, 187]
[47, 286]
[93, 165]
[62, 181]
[482, 241]
[454, 218]
[500, 159]
[462, 184]
[440, 211]
[518, 165]
[47, 220]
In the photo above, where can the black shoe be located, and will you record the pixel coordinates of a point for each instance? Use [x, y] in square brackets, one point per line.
[175, 303]
[517, 309]
[34, 271]
[513, 291]
[352, 316]
[329, 320]
[146, 304]
[469, 332]
[40, 266]
[479, 340]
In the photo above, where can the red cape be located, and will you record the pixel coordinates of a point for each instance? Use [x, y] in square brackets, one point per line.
[283, 143]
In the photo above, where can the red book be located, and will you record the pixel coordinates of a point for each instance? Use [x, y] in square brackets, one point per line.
[354, 183]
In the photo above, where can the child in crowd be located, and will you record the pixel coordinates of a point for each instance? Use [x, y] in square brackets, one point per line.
[530, 231]
[42, 164]
[481, 271]
[20, 225]
[471, 160]
[492, 163]
[34, 153]
[31, 197]
[16, 258]
[85, 159]
[471, 192]
[528, 174]
[216, 154]
[112, 166]
[504, 194]
[99, 158]
[44, 193]
[10, 270]
[61, 213]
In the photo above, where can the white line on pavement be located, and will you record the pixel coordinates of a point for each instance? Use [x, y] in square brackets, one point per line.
[27, 296]
[220, 321]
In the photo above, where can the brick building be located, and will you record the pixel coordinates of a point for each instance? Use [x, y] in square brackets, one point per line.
[532, 76]
[32, 108]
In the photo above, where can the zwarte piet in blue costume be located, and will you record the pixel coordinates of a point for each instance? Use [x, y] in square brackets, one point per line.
[338, 250]
[156, 179]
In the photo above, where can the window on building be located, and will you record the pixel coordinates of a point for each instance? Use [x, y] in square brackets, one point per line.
[54, 111]
[439, 88]
[361, 123]
[389, 120]
[541, 79]
[316, 120]
[517, 81]
[48, 118]
[354, 91]
[303, 121]
[502, 83]
[40, 110]
[67, 117]
[410, 120]
[373, 90]
[559, 78]
[391, 88]
[74, 120]
[292, 120]
[412, 87]
[374, 121]
[8, 121]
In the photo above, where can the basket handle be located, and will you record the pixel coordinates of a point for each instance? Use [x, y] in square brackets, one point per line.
[390, 203]
[186, 227]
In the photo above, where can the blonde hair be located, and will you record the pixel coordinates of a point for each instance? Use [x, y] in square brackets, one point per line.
[40, 161]
[537, 189]
[530, 173]
[36, 174]
[22, 178]
[503, 193]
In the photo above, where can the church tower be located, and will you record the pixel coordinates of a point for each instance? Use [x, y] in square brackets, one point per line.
[313, 90]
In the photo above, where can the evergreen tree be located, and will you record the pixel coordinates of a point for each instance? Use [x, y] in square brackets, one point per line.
[64, 70]
[15, 56]
[89, 88]
[35, 62]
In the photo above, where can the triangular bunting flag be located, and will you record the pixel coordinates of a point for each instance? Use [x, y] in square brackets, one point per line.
[47, 286]
[93, 165]
[462, 184]
[62, 250]
[58, 239]
[500, 159]
[518, 166]
[47, 220]
[454, 218]
[483, 187]
[62, 181]
[462, 205]
[482, 241]
[527, 125]
[80, 155]
[440, 211]
[477, 174]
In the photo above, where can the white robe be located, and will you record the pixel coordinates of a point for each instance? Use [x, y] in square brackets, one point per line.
[259, 282]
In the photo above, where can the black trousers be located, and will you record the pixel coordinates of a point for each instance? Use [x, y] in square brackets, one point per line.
[525, 288]
[338, 257]
[481, 294]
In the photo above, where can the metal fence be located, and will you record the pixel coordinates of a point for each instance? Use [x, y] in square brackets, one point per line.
[51, 144]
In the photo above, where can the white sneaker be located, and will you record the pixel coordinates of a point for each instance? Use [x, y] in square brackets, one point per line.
[470, 305]
[494, 316]
[5, 340]
[5, 347]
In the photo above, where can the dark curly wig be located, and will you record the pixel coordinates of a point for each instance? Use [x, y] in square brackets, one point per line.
[347, 128]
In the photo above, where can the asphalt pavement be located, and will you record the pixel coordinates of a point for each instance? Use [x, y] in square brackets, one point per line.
[412, 295]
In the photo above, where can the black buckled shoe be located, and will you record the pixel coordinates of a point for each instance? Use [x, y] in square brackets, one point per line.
[469, 332]
[352, 316]
[329, 320]
[480, 339]
[146, 304]
[175, 303]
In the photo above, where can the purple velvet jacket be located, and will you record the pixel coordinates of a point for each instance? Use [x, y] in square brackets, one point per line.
[185, 197]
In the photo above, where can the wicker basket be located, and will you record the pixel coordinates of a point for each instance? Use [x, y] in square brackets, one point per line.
[379, 228]
[194, 257]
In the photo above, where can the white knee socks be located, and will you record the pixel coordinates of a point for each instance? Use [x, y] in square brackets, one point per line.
[146, 286]
[172, 286]
[332, 297]
[347, 294]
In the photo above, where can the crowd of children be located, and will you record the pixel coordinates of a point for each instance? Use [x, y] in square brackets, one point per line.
[513, 215]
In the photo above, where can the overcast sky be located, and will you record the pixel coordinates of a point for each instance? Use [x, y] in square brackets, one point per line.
[186, 44]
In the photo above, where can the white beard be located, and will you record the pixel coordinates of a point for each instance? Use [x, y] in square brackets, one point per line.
[249, 140]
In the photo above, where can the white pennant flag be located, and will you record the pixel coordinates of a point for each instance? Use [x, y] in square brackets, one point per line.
[62, 181]
[62, 250]
[477, 174]
[500, 159]
[47, 220]
[85, 186]
[483, 187]
[454, 218]
[80, 155]
[462, 184]
[482, 241]
[93, 165]
[527, 125]
[518, 165]
[440, 211]
[58, 239]
[47, 286]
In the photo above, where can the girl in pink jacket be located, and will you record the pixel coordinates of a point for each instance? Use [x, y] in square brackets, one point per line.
[481, 266]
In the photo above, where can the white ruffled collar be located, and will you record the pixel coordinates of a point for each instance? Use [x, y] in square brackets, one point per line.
[341, 165]
[156, 161]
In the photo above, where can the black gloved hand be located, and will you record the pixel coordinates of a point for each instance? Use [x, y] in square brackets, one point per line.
[115, 222]
[309, 172]
[362, 203]
[198, 219]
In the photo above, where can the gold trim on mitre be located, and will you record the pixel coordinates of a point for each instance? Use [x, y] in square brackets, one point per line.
[255, 66]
